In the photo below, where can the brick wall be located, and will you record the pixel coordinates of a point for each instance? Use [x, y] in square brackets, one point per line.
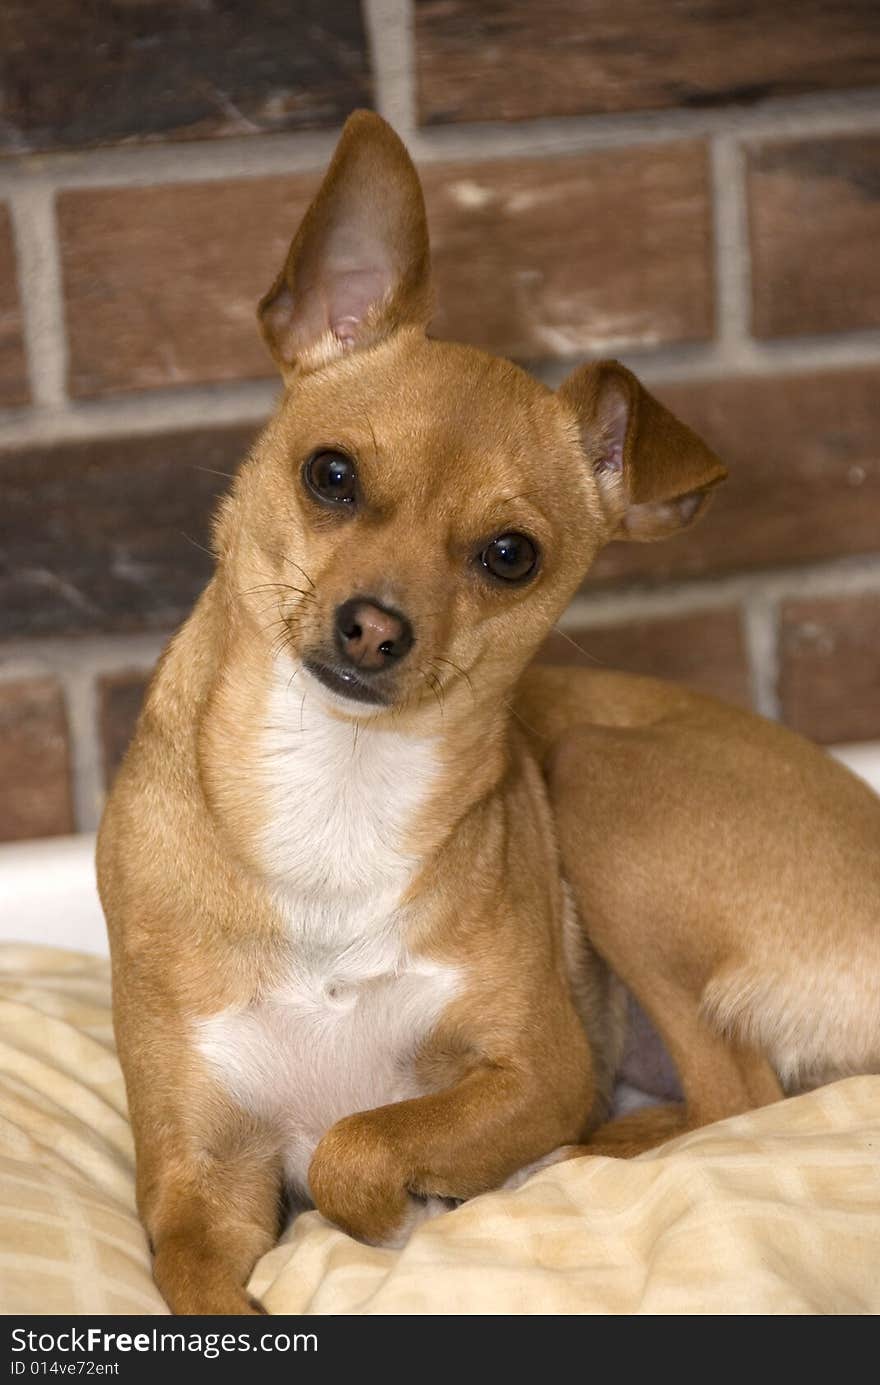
[695, 188]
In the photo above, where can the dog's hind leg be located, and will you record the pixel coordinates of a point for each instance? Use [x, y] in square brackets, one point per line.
[755, 1084]
[719, 1078]
[635, 1133]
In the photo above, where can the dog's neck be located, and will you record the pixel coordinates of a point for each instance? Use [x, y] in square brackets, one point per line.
[342, 796]
[332, 809]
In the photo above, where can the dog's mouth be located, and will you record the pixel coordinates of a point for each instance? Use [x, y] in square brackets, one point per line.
[345, 683]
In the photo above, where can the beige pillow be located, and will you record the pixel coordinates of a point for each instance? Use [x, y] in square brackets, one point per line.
[774, 1212]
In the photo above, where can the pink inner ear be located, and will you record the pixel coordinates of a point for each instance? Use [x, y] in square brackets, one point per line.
[611, 459]
[613, 418]
[688, 505]
[350, 295]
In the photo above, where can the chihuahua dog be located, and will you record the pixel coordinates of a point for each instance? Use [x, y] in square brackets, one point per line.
[347, 964]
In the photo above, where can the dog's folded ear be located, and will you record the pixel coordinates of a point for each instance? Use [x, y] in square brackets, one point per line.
[359, 265]
[654, 475]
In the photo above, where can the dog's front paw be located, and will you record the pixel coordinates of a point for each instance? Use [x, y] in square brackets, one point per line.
[357, 1181]
[195, 1281]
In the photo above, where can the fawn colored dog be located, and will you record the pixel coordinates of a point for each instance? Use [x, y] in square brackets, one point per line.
[346, 960]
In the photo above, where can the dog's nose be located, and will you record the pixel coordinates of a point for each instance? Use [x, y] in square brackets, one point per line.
[370, 636]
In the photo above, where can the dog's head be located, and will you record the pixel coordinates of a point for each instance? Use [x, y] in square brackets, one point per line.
[418, 513]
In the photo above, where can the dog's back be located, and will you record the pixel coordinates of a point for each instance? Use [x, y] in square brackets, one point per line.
[747, 858]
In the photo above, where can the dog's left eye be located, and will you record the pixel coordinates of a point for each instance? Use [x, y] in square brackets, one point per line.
[332, 477]
[510, 557]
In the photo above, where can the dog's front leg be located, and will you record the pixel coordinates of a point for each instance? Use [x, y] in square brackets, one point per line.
[455, 1144]
[209, 1222]
[208, 1176]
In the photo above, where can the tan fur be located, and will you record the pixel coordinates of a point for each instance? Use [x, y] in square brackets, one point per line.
[240, 914]
[729, 872]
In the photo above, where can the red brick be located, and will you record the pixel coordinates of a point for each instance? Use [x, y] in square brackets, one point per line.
[110, 534]
[78, 74]
[830, 672]
[814, 210]
[120, 697]
[565, 256]
[161, 284]
[515, 59]
[34, 761]
[13, 368]
[804, 458]
[704, 650]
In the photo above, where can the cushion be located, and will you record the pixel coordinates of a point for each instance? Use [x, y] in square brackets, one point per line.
[777, 1211]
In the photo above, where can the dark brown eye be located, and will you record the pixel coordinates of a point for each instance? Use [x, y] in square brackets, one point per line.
[511, 557]
[332, 477]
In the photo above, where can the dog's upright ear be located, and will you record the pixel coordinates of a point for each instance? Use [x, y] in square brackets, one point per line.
[359, 265]
[654, 475]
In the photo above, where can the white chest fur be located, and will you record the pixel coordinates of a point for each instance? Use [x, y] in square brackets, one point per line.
[339, 1029]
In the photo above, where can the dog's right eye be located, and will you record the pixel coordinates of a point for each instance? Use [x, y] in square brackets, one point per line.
[331, 477]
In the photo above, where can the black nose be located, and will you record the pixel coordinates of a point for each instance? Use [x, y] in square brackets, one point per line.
[369, 636]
